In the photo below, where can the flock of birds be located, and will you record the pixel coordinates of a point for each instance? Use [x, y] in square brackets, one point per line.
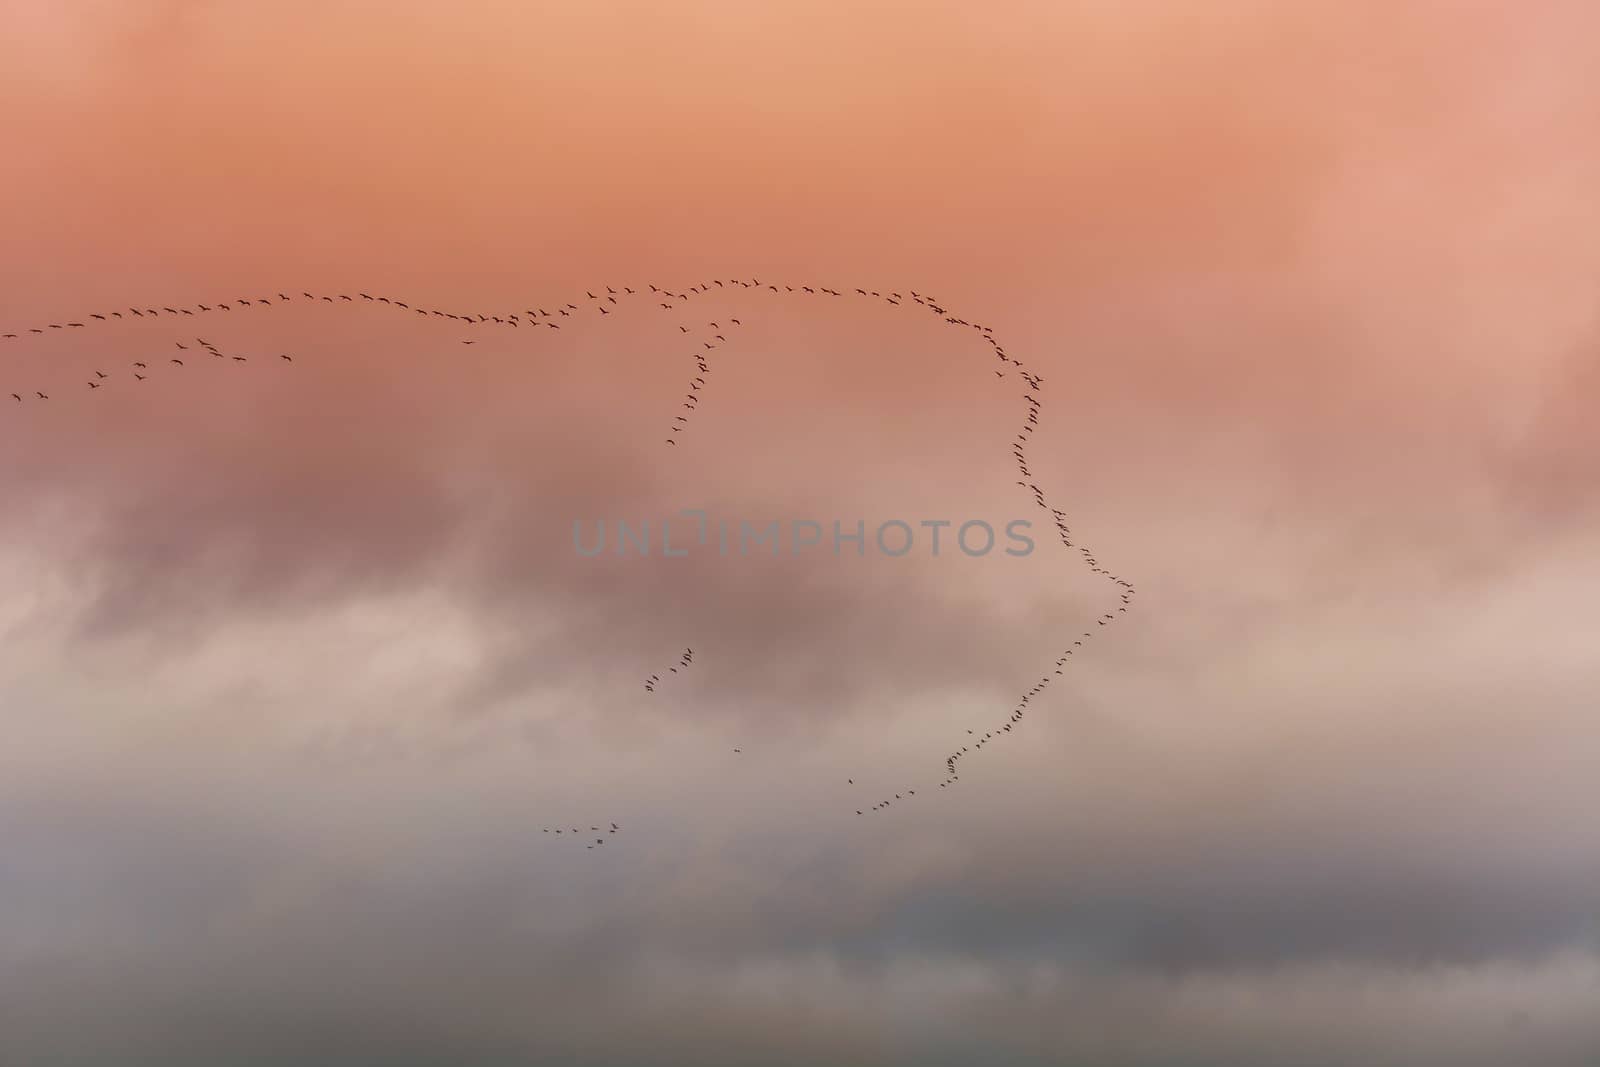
[606, 304]
[684, 660]
[141, 370]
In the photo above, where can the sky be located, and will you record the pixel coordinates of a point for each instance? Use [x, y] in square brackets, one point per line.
[301, 669]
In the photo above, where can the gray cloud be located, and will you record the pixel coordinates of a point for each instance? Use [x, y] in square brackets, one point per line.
[297, 667]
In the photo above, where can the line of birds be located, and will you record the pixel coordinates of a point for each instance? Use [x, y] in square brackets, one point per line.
[558, 831]
[684, 660]
[535, 316]
[670, 300]
[702, 362]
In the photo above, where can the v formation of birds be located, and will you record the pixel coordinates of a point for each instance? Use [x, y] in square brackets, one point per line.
[707, 337]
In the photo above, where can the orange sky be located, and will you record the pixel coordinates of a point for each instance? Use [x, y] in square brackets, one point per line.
[298, 662]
